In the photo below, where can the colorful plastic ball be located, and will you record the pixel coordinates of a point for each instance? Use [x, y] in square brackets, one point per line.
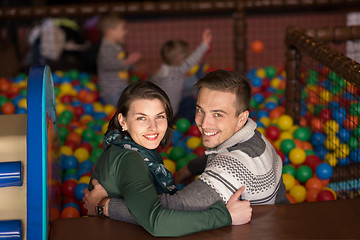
[66, 150]
[257, 46]
[75, 137]
[324, 171]
[289, 169]
[297, 156]
[312, 194]
[170, 165]
[287, 145]
[200, 150]
[303, 173]
[277, 112]
[193, 142]
[68, 187]
[71, 204]
[285, 122]
[79, 190]
[318, 139]
[256, 81]
[302, 133]
[70, 212]
[84, 179]
[81, 154]
[272, 133]
[8, 108]
[332, 142]
[289, 181]
[325, 195]
[70, 162]
[183, 125]
[182, 163]
[299, 193]
[88, 134]
[291, 199]
[314, 182]
[194, 131]
[331, 127]
[177, 153]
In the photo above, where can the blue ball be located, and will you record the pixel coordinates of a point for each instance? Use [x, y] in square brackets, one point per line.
[70, 162]
[70, 176]
[343, 161]
[87, 164]
[344, 135]
[88, 108]
[318, 139]
[72, 204]
[79, 191]
[324, 171]
[20, 111]
[257, 82]
[259, 98]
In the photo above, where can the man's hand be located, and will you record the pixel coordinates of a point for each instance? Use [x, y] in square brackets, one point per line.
[183, 175]
[207, 36]
[240, 211]
[91, 198]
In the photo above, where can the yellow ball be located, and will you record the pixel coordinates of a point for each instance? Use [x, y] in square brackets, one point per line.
[331, 159]
[261, 73]
[91, 86]
[170, 165]
[86, 118]
[123, 74]
[298, 192]
[285, 122]
[66, 88]
[59, 73]
[293, 129]
[285, 135]
[289, 181]
[79, 130]
[331, 190]
[81, 154]
[332, 142]
[265, 120]
[297, 156]
[109, 109]
[275, 82]
[121, 55]
[326, 96]
[277, 144]
[22, 103]
[104, 128]
[343, 151]
[66, 150]
[193, 142]
[194, 69]
[84, 179]
[98, 107]
[262, 130]
[331, 127]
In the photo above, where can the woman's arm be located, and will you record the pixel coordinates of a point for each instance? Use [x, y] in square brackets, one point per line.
[142, 201]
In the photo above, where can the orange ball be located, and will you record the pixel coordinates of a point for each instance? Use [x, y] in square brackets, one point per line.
[8, 108]
[312, 194]
[70, 212]
[277, 112]
[257, 46]
[75, 137]
[314, 183]
[290, 198]
[317, 125]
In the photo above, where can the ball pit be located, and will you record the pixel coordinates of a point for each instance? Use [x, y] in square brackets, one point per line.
[83, 119]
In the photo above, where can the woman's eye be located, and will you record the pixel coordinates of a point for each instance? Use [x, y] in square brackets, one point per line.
[161, 117]
[141, 118]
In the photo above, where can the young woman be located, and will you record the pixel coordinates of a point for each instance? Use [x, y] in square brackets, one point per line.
[131, 168]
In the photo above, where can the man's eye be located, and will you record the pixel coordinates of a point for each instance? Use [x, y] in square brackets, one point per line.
[141, 118]
[218, 115]
[199, 110]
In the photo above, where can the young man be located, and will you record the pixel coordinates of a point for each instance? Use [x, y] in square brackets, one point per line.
[238, 154]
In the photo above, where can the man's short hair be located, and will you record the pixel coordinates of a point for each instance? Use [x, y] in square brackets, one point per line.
[109, 20]
[173, 52]
[229, 81]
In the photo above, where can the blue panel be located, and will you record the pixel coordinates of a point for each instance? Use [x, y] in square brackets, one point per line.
[10, 230]
[35, 198]
[10, 174]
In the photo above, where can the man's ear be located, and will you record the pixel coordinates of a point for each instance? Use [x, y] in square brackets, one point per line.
[243, 117]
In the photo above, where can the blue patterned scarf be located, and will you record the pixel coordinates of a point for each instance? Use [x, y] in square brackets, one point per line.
[164, 180]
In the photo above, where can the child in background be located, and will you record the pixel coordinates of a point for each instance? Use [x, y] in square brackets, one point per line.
[176, 63]
[113, 62]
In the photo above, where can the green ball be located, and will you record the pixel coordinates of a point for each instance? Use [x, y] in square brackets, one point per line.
[3, 100]
[177, 153]
[93, 159]
[88, 134]
[63, 132]
[23, 92]
[181, 163]
[191, 156]
[289, 169]
[355, 109]
[303, 173]
[270, 72]
[96, 153]
[99, 138]
[287, 145]
[309, 152]
[64, 120]
[134, 78]
[67, 114]
[303, 133]
[73, 74]
[353, 143]
[356, 132]
[183, 125]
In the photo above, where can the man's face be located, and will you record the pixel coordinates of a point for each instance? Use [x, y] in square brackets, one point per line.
[216, 116]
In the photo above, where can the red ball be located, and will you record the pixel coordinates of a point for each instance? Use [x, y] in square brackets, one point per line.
[87, 146]
[312, 161]
[325, 195]
[272, 133]
[200, 150]
[79, 111]
[67, 99]
[325, 114]
[194, 131]
[8, 108]
[68, 188]
[70, 143]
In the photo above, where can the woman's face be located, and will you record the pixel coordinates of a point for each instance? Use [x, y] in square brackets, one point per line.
[146, 122]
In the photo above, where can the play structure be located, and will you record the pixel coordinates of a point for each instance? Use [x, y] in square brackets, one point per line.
[29, 171]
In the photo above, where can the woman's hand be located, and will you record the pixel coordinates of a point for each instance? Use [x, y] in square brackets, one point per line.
[93, 197]
[240, 211]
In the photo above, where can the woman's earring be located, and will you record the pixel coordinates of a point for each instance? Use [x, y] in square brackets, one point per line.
[122, 128]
